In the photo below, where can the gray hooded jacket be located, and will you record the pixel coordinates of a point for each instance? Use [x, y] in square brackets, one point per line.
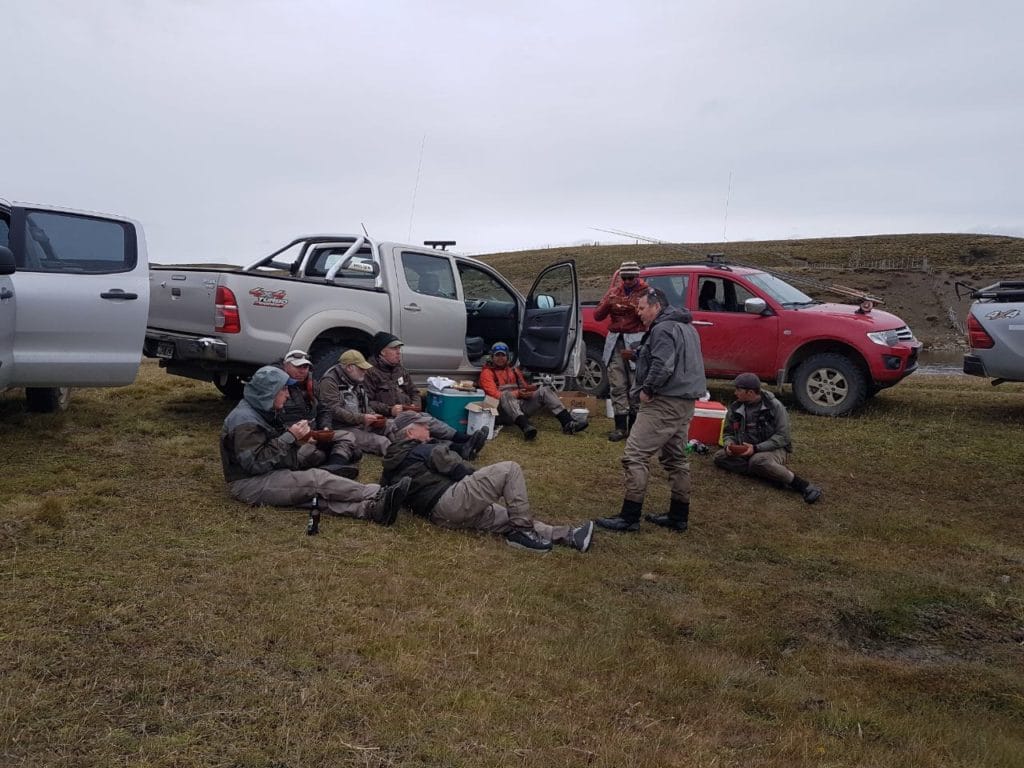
[252, 441]
[669, 361]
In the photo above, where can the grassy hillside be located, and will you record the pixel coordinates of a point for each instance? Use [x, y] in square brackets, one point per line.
[148, 620]
[914, 274]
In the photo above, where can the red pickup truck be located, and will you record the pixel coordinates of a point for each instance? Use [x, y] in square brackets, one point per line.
[836, 356]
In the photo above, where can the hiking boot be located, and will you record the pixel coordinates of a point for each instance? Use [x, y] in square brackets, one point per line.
[388, 501]
[620, 524]
[528, 540]
[570, 426]
[581, 536]
[812, 493]
[471, 449]
[667, 521]
[529, 431]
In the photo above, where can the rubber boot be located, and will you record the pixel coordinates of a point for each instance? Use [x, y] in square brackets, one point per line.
[677, 519]
[630, 421]
[529, 431]
[569, 425]
[621, 428]
[627, 521]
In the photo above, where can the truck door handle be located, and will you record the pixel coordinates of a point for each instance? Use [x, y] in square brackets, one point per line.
[117, 293]
[6, 294]
[412, 307]
[701, 322]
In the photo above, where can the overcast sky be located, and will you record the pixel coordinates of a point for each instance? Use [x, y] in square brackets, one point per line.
[228, 128]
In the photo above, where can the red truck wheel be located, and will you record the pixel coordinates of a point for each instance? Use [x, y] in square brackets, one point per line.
[829, 384]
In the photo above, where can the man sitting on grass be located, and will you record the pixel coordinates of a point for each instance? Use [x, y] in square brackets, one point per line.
[264, 463]
[756, 438]
[453, 494]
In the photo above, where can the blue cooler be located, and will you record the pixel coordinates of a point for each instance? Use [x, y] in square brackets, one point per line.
[449, 405]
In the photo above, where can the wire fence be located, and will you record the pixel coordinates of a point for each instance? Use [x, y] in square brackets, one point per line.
[884, 264]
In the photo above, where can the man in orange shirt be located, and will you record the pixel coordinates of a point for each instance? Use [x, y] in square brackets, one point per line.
[517, 400]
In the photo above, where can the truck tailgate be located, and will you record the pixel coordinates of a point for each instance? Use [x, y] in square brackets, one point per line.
[182, 300]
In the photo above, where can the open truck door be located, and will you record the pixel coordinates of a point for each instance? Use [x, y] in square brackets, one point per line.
[549, 336]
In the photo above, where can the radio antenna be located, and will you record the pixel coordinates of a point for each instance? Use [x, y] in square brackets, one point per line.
[415, 187]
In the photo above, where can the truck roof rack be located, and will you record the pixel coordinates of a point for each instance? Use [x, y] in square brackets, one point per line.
[439, 244]
[1004, 290]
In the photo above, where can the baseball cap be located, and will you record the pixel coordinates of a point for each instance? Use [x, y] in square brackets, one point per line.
[499, 347]
[407, 418]
[354, 357]
[747, 381]
[298, 357]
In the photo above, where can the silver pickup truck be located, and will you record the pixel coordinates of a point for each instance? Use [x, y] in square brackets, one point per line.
[995, 331]
[328, 293]
[73, 301]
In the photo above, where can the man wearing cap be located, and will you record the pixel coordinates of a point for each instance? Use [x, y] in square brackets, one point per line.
[302, 405]
[453, 494]
[263, 462]
[756, 438]
[388, 384]
[347, 405]
[620, 305]
[669, 379]
[517, 400]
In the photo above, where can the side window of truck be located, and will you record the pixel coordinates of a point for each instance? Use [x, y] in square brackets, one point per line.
[67, 243]
[674, 287]
[429, 275]
[5, 231]
[478, 285]
[719, 294]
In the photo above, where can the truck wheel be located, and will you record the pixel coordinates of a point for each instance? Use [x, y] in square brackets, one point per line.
[593, 378]
[325, 357]
[230, 386]
[47, 399]
[829, 384]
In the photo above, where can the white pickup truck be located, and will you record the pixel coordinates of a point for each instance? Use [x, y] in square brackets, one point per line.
[328, 293]
[73, 301]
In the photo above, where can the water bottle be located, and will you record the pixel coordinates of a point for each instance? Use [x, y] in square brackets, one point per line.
[313, 526]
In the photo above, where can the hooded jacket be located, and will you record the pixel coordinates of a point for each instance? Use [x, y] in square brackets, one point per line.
[432, 468]
[669, 361]
[764, 424]
[253, 441]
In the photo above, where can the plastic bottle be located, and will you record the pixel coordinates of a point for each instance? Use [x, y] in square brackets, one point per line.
[313, 526]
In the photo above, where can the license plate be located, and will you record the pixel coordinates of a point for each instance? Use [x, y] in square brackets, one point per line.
[165, 349]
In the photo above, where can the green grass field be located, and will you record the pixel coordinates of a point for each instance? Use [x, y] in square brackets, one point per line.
[148, 620]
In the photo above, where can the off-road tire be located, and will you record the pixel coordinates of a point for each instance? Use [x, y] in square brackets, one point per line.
[593, 378]
[326, 357]
[829, 384]
[232, 387]
[47, 399]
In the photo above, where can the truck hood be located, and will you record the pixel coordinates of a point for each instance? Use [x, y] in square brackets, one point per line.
[875, 320]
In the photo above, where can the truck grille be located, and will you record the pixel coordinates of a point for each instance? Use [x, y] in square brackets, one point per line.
[904, 333]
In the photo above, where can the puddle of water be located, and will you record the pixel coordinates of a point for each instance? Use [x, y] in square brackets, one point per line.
[941, 362]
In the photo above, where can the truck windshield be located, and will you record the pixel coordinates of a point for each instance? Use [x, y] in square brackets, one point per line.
[779, 289]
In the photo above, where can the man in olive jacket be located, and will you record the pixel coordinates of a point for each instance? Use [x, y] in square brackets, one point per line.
[756, 438]
[669, 379]
[263, 462]
[453, 494]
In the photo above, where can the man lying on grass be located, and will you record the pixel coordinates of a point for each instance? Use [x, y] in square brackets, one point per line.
[756, 438]
[264, 463]
[453, 494]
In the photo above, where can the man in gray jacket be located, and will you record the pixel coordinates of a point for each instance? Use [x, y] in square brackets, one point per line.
[264, 464]
[669, 378]
[756, 438]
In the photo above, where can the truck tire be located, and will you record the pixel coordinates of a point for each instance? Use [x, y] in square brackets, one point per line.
[47, 399]
[829, 384]
[593, 378]
[325, 357]
[230, 386]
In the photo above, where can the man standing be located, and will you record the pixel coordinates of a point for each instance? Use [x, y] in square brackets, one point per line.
[625, 328]
[517, 400]
[262, 462]
[669, 378]
[302, 405]
[453, 494]
[390, 391]
[756, 438]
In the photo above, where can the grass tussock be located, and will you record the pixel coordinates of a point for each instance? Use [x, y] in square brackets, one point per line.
[146, 619]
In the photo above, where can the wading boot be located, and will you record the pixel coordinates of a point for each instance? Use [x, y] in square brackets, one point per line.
[627, 521]
[677, 519]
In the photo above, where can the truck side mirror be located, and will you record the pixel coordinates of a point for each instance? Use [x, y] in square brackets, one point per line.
[755, 306]
[544, 301]
[7, 265]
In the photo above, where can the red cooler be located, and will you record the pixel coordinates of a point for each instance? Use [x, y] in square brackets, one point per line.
[708, 422]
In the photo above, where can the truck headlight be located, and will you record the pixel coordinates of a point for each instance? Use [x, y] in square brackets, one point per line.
[885, 338]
